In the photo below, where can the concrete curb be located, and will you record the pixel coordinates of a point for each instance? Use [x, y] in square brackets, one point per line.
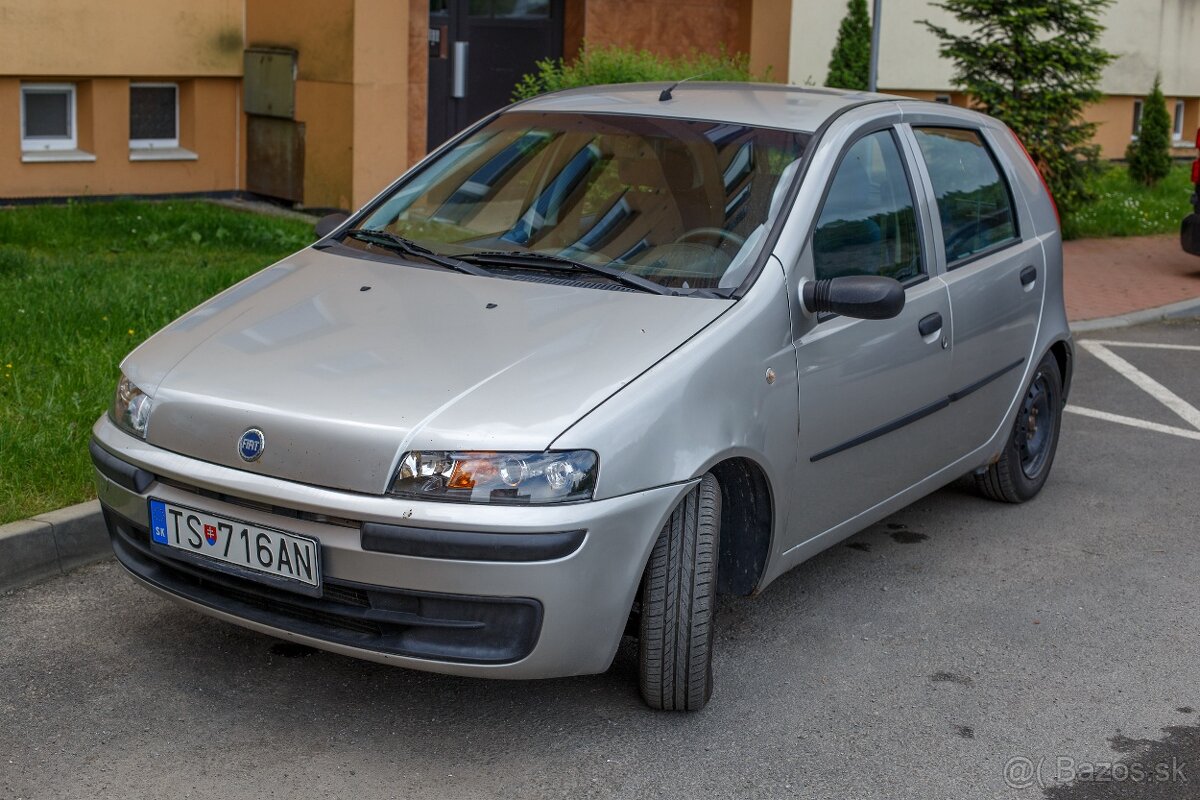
[51, 544]
[1184, 308]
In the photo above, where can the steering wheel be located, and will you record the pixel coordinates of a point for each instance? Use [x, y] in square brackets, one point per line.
[719, 233]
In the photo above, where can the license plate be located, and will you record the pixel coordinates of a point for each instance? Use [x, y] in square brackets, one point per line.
[261, 550]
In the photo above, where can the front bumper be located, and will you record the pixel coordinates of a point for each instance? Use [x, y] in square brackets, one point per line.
[506, 617]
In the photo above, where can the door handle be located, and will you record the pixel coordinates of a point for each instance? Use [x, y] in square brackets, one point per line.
[930, 324]
[458, 83]
[1028, 275]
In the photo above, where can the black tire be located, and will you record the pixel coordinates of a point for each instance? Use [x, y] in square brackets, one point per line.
[679, 593]
[1025, 463]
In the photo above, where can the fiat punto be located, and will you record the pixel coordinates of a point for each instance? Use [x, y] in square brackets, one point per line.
[604, 355]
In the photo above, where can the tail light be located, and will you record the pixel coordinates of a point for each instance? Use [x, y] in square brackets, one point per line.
[1046, 186]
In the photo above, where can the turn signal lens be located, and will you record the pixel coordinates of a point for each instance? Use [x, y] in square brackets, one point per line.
[505, 478]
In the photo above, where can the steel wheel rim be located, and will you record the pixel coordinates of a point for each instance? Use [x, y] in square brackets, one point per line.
[1035, 427]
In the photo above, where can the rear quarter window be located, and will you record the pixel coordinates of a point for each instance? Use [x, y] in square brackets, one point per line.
[974, 200]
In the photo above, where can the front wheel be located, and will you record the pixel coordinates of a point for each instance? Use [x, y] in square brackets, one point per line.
[679, 591]
[1024, 466]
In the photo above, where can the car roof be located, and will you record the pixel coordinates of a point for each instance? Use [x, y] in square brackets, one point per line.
[772, 105]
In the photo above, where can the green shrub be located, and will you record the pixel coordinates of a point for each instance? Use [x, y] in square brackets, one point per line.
[596, 66]
[850, 64]
[1149, 155]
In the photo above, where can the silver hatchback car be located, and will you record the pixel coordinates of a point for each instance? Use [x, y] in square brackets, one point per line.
[604, 355]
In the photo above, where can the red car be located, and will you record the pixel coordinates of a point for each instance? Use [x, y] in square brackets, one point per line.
[1189, 232]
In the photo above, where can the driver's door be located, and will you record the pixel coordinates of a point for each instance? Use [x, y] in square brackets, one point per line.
[870, 391]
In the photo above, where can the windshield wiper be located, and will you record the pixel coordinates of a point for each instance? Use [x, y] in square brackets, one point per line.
[408, 247]
[530, 258]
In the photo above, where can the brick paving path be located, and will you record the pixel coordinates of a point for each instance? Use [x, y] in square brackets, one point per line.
[1109, 277]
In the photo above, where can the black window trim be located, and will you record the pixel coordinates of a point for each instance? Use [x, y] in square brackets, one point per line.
[1001, 170]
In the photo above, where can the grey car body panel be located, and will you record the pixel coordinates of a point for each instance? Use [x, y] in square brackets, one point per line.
[343, 380]
[679, 386]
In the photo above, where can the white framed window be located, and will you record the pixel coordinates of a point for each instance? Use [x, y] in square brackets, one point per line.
[1137, 118]
[48, 117]
[1177, 130]
[153, 116]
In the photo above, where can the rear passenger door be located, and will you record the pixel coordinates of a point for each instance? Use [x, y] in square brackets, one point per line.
[995, 275]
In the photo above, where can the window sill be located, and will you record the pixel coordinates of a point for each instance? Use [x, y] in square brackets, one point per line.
[53, 156]
[161, 154]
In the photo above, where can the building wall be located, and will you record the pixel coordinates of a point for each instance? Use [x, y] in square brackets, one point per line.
[209, 125]
[121, 38]
[381, 121]
[322, 34]
[196, 45]
[770, 38]
[353, 89]
[668, 27]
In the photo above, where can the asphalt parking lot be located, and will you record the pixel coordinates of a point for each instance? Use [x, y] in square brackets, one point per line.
[960, 649]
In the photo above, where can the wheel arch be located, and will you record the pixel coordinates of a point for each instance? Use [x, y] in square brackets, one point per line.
[747, 524]
[1064, 354]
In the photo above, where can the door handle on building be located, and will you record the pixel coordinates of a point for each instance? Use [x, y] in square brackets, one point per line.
[458, 84]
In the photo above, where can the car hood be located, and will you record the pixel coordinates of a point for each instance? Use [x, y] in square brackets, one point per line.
[345, 363]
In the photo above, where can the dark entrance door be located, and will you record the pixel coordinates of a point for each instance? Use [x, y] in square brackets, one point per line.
[478, 50]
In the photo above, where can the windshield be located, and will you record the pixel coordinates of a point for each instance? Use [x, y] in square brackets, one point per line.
[681, 203]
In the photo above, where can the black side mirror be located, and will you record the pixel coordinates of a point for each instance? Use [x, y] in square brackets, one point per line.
[329, 223]
[857, 296]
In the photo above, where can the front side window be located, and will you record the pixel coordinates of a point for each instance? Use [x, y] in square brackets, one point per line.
[682, 203]
[47, 116]
[153, 115]
[867, 224]
[973, 199]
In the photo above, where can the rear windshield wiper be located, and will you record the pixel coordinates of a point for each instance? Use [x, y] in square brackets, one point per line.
[519, 257]
[408, 247]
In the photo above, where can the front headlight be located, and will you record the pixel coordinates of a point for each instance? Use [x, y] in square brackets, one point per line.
[512, 478]
[131, 408]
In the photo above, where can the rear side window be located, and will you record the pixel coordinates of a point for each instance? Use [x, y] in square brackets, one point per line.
[973, 199]
[867, 224]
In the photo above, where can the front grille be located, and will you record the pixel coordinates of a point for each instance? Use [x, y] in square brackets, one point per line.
[291, 610]
[269, 508]
[446, 627]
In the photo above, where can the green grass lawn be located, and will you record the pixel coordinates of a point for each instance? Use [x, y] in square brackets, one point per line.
[1123, 208]
[81, 286]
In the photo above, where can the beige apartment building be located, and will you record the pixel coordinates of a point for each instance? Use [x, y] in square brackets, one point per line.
[323, 102]
[1146, 36]
[318, 102]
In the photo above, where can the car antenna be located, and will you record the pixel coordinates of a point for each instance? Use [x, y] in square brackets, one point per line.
[665, 94]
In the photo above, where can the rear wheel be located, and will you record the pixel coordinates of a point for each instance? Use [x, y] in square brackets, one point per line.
[1025, 463]
[679, 602]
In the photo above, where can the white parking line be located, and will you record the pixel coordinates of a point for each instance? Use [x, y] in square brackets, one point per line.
[1137, 423]
[1162, 394]
[1154, 345]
